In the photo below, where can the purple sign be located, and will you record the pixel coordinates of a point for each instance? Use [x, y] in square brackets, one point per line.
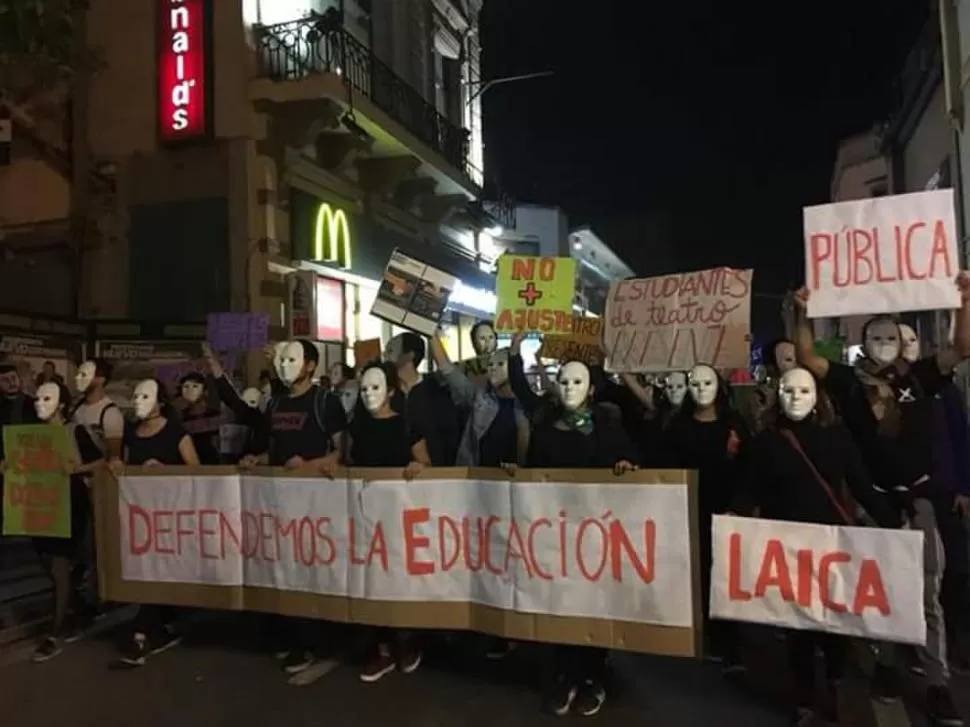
[237, 331]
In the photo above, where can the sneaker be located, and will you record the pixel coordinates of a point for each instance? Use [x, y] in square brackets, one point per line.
[73, 631]
[940, 707]
[165, 640]
[46, 650]
[382, 665]
[559, 699]
[884, 686]
[499, 649]
[589, 699]
[297, 660]
[410, 661]
[135, 653]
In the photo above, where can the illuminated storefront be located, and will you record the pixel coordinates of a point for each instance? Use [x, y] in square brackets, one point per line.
[345, 252]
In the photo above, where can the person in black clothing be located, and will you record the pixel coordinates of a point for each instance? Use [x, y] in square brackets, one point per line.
[659, 411]
[381, 437]
[16, 407]
[59, 555]
[707, 435]
[570, 431]
[303, 431]
[887, 404]
[248, 409]
[157, 439]
[423, 399]
[794, 471]
[198, 417]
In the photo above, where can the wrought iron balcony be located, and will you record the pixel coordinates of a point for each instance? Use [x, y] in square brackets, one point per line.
[319, 44]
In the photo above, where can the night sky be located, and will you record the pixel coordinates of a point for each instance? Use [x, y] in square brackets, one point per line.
[688, 134]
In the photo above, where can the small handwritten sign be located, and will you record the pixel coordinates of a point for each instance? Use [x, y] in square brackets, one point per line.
[37, 488]
[535, 294]
[673, 322]
[583, 344]
[882, 255]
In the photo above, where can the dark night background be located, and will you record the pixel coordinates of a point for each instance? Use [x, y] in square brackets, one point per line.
[688, 134]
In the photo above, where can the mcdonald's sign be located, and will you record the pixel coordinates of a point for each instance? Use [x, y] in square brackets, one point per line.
[331, 236]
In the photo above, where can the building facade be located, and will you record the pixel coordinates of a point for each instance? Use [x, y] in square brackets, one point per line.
[227, 147]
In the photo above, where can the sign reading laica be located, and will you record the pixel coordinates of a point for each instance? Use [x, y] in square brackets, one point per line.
[183, 56]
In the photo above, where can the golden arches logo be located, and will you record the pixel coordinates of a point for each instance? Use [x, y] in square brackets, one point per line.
[331, 236]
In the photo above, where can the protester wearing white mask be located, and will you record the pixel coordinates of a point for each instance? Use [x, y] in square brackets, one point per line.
[70, 614]
[795, 470]
[156, 440]
[381, 437]
[570, 431]
[96, 411]
[707, 435]
[910, 341]
[484, 339]
[201, 420]
[303, 430]
[887, 404]
[497, 430]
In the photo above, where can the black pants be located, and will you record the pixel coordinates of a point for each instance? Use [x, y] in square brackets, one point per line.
[802, 646]
[573, 665]
[152, 621]
[720, 637]
[954, 590]
[293, 634]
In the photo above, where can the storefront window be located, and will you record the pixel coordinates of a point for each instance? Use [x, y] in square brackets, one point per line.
[369, 326]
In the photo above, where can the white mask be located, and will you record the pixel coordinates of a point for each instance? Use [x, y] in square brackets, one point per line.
[882, 342]
[48, 401]
[145, 399]
[676, 388]
[703, 385]
[910, 343]
[797, 394]
[498, 368]
[348, 396]
[291, 362]
[278, 357]
[84, 376]
[574, 385]
[394, 349]
[485, 340]
[192, 391]
[336, 375]
[785, 356]
[252, 396]
[373, 389]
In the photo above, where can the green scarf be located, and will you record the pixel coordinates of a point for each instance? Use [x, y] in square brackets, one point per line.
[579, 421]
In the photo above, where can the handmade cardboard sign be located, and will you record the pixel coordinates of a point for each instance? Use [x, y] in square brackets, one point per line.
[37, 489]
[882, 255]
[553, 555]
[535, 294]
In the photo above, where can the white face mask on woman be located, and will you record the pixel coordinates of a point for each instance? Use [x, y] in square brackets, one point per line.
[252, 396]
[373, 389]
[48, 401]
[797, 394]
[498, 368]
[145, 399]
[882, 343]
[703, 385]
[911, 347]
[574, 385]
[676, 388]
[485, 340]
[192, 391]
[84, 376]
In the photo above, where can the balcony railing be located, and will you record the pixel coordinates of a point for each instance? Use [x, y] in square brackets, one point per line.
[301, 48]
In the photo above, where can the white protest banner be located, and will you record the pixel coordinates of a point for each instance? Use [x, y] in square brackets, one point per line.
[413, 294]
[673, 322]
[882, 255]
[425, 552]
[863, 582]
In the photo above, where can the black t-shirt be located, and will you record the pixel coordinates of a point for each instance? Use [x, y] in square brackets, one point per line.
[607, 444]
[714, 450]
[204, 430]
[302, 426]
[500, 442]
[163, 446]
[898, 450]
[430, 409]
[381, 442]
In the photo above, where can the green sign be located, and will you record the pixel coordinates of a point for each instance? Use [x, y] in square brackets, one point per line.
[37, 486]
[830, 348]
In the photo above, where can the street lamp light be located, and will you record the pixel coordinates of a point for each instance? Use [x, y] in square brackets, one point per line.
[483, 86]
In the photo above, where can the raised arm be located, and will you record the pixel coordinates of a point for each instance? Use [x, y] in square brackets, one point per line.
[528, 399]
[462, 390]
[948, 358]
[805, 340]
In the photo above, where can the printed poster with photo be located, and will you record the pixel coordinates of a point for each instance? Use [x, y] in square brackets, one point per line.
[133, 361]
[413, 294]
[29, 352]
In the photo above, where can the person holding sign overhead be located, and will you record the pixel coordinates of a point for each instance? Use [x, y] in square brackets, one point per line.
[887, 403]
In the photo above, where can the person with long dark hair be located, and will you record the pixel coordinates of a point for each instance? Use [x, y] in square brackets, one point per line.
[157, 439]
[570, 431]
[707, 435]
[794, 472]
[379, 436]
